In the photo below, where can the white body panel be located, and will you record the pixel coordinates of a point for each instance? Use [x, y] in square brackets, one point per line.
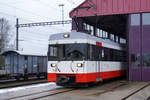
[88, 66]
[65, 67]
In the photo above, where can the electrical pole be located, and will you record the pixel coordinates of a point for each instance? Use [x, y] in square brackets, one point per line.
[62, 5]
[17, 34]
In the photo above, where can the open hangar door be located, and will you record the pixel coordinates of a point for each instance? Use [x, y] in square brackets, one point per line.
[131, 29]
[110, 15]
[113, 27]
[116, 25]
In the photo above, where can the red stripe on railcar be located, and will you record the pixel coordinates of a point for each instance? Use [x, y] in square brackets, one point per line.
[87, 77]
[98, 44]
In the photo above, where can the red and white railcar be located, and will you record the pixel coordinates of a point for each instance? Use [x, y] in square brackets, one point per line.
[76, 57]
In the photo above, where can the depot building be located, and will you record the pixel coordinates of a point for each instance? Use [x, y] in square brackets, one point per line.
[123, 21]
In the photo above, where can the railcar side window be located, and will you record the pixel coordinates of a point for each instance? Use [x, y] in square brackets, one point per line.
[67, 52]
[53, 51]
[75, 55]
[146, 60]
[94, 52]
[90, 52]
[102, 53]
[111, 55]
[106, 54]
[135, 60]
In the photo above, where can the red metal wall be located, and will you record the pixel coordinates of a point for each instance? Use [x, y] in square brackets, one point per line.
[108, 7]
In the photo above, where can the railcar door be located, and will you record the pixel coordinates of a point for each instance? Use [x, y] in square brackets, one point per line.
[35, 64]
[98, 58]
[7, 63]
[30, 64]
[15, 60]
[26, 65]
[12, 63]
[98, 71]
[45, 64]
[40, 64]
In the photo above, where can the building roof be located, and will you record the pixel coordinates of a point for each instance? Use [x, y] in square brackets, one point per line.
[23, 53]
[110, 7]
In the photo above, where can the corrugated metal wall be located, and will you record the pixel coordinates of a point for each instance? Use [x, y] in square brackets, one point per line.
[108, 7]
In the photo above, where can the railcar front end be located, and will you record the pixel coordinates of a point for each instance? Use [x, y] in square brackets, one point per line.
[73, 60]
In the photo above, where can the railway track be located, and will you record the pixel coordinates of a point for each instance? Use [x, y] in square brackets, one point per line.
[53, 94]
[14, 83]
[109, 90]
[96, 94]
[125, 98]
[40, 95]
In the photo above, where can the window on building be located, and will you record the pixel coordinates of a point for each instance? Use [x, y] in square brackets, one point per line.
[84, 26]
[92, 30]
[112, 37]
[97, 32]
[135, 60]
[100, 33]
[146, 18]
[135, 19]
[146, 60]
[117, 38]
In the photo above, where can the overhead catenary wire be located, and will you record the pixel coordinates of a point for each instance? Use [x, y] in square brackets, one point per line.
[25, 11]
[29, 41]
[47, 5]
[37, 46]
[35, 37]
[27, 32]
[30, 38]
[13, 16]
[72, 2]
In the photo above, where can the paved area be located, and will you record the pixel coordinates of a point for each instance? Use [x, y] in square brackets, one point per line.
[110, 90]
[141, 95]
[26, 90]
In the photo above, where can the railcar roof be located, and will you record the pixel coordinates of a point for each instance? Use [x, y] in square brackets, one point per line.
[80, 35]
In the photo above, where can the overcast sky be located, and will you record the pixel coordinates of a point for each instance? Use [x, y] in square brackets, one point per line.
[35, 39]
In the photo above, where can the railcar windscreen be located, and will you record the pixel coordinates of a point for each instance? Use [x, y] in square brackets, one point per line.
[68, 51]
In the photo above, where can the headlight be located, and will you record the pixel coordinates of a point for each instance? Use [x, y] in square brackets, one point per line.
[66, 35]
[79, 65]
[53, 65]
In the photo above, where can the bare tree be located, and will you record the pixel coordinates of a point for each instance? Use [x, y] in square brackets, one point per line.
[4, 33]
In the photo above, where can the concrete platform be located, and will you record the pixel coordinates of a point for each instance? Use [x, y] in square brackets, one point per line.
[109, 90]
